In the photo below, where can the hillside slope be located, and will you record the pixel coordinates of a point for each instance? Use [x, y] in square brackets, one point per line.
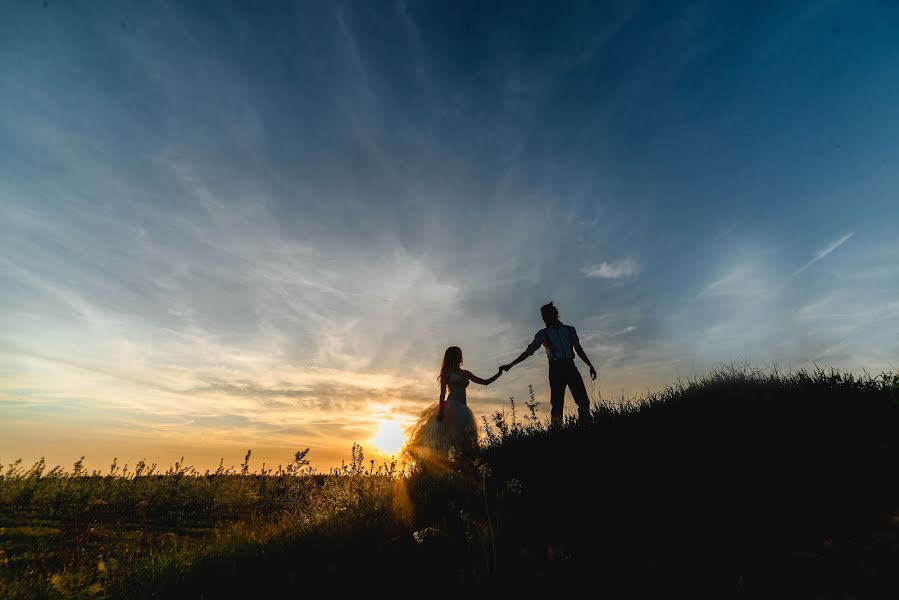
[740, 484]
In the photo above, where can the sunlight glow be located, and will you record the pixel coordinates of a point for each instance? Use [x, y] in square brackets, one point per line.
[390, 437]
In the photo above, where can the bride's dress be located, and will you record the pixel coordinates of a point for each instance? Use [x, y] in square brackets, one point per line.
[430, 439]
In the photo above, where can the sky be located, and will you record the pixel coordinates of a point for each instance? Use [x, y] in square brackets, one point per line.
[259, 224]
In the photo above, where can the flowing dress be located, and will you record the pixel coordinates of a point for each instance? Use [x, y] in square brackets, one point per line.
[432, 440]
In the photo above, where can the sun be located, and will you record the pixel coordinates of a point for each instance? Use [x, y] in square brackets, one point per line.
[390, 437]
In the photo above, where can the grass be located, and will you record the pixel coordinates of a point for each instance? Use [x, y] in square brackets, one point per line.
[742, 483]
[121, 534]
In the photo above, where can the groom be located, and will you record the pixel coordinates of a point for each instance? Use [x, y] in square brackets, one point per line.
[560, 342]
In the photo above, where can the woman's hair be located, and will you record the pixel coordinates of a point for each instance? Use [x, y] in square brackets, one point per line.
[549, 312]
[452, 360]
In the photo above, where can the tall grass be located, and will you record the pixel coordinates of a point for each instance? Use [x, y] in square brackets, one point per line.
[742, 482]
[72, 533]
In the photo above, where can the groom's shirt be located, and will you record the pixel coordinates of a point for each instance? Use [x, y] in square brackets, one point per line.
[559, 342]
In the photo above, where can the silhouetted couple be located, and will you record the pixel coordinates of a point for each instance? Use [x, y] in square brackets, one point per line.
[561, 344]
[449, 423]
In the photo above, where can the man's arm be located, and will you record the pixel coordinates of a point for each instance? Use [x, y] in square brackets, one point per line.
[580, 352]
[520, 358]
[583, 355]
[532, 347]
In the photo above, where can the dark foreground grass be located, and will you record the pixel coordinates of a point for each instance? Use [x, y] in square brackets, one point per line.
[741, 484]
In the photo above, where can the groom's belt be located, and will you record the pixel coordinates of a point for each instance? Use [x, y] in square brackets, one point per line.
[561, 360]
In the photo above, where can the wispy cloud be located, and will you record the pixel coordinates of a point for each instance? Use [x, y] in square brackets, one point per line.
[612, 270]
[272, 244]
[744, 282]
[824, 252]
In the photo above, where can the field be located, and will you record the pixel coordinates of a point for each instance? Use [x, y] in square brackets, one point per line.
[739, 484]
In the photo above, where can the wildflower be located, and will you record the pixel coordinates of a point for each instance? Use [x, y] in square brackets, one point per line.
[101, 566]
[425, 534]
[513, 487]
[58, 583]
[467, 524]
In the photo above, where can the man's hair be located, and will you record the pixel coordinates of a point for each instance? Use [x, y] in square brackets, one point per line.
[549, 312]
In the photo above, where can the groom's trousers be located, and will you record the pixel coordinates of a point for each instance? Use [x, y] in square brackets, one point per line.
[563, 373]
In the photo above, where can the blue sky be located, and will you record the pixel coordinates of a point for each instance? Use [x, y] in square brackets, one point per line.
[230, 226]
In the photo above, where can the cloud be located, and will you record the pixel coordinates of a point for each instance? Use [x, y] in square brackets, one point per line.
[243, 251]
[744, 282]
[824, 252]
[611, 270]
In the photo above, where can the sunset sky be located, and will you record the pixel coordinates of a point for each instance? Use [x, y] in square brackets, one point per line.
[259, 225]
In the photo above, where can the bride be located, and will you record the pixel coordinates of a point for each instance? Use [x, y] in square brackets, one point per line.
[448, 423]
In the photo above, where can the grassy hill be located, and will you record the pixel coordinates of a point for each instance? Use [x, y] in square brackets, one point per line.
[739, 484]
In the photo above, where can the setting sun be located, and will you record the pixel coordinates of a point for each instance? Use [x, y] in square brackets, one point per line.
[390, 437]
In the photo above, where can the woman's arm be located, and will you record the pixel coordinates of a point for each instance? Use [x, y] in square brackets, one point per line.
[472, 377]
[442, 401]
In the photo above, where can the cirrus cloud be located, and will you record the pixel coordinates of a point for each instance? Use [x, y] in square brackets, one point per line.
[612, 270]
